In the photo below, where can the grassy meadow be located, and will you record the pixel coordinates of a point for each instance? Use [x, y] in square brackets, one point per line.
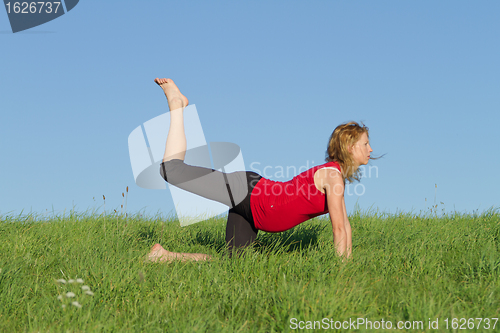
[405, 268]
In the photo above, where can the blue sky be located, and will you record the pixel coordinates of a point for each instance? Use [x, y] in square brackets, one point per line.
[274, 77]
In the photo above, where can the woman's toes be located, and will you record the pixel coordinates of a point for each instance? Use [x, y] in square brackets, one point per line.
[156, 247]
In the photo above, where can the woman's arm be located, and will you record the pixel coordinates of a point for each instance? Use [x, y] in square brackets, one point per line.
[333, 185]
[347, 230]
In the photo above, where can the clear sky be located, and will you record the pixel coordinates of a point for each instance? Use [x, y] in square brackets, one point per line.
[274, 77]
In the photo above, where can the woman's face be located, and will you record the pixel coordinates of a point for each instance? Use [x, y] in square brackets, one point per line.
[361, 150]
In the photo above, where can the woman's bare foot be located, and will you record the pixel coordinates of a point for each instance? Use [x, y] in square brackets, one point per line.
[159, 254]
[175, 99]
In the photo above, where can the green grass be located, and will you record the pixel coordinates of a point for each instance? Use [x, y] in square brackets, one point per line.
[404, 268]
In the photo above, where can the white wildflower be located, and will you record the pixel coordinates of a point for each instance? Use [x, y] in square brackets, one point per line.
[79, 280]
[78, 305]
[88, 292]
[71, 281]
[61, 281]
[63, 306]
[85, 288]
[60, 297]
[70, 294]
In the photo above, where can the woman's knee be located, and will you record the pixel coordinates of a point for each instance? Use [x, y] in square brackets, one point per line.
[170, 170]
[240, 232]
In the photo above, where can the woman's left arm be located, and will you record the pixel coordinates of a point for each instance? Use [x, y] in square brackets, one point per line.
[348, 231]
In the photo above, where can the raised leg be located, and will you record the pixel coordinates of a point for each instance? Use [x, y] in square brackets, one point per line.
[176, 145]
[175, 148]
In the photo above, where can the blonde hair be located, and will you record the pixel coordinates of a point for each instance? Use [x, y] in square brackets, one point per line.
[343, 137]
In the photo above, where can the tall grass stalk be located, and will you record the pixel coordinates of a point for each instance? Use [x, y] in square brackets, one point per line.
[104, 215]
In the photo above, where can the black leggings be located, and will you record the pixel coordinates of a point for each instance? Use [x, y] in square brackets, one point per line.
[232, 189]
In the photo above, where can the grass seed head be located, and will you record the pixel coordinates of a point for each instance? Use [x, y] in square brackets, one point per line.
[78, 305]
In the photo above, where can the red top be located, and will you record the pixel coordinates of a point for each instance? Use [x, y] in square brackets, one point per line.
[279, 206]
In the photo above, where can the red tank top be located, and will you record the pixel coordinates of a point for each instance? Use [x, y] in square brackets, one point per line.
[279, 206]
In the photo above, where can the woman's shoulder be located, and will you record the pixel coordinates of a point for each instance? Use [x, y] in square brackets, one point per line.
[329, 165]
[325, 166]
[329, 170]
[327, 173]
[311, 172]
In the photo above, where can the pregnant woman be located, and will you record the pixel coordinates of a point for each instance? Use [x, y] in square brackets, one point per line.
[256, 203]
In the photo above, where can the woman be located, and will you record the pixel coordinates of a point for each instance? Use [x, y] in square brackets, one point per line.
[257, 203]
